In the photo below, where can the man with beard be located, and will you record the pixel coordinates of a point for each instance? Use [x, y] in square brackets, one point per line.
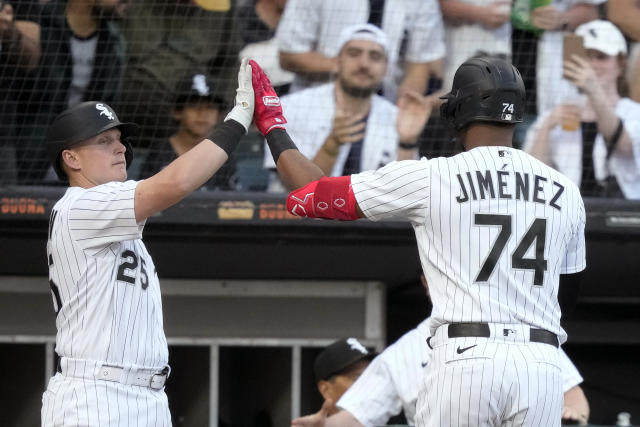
[354, 129]
[81, 59]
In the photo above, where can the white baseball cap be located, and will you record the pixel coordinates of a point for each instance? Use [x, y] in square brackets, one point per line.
[602, 36]
[363, 32]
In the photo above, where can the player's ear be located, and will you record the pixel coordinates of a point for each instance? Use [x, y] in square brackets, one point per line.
[324, 388]
[70, 160]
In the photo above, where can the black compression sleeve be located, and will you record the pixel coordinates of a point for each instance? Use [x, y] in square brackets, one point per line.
[227, 135]
[279, 141]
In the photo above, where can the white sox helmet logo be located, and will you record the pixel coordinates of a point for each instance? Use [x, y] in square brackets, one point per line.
[104, 110]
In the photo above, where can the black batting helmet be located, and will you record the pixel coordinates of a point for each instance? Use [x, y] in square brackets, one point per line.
[486, 89]
[80, 123]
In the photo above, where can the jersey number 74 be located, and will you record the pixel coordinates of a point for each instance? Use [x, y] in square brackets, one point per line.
[536, 233]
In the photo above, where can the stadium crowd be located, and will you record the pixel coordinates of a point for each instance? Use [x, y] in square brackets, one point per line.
[169, 66]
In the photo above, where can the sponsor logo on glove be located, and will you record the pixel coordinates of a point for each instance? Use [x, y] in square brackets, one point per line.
[271, 101]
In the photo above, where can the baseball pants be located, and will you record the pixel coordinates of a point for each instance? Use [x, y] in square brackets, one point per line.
[70, 401]
[491, 382]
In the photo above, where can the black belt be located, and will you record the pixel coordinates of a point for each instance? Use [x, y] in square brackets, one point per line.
[458, 330]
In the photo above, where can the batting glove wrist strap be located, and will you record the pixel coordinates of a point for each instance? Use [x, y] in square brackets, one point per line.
[242, 112]
[329, 197]
[268, 111]
[227, 135]
[279, 141]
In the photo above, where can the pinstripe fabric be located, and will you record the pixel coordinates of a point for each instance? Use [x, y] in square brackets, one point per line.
[453, 247]
[491, 384]
[495, 228]
[107, 296]
[392, 380]
[81, 402]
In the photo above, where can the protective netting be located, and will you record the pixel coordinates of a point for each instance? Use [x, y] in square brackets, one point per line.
[170, 66]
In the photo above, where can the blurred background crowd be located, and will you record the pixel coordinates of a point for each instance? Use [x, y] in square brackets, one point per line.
[169, 65]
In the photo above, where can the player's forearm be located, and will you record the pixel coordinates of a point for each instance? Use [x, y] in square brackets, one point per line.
[186, 173]
[313, 63]
[296, 170]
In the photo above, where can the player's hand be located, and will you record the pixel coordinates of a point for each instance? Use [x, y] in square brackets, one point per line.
[268, 115]
[495, 14]
[242, 112]
[581, 74]
[548, 18]
[413, 112]
[315, 420]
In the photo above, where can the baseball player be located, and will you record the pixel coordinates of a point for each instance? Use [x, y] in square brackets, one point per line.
[392, 380]
[495, 228]
[110, 339]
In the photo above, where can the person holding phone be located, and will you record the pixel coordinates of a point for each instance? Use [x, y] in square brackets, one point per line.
[602, 153]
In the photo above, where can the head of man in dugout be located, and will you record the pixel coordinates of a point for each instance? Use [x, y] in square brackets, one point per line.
[88, 143]
[338, 366]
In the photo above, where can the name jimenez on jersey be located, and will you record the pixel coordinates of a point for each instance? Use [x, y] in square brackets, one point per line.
[481, 185]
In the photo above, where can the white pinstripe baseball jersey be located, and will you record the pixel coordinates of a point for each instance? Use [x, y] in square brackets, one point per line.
[392, 380]
[495, 228]
[104, 283]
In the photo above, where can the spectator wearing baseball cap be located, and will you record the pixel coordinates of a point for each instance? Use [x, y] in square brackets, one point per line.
[600, 153]
[309, 30]
[338, 366]
[353, 128]
[197, 109]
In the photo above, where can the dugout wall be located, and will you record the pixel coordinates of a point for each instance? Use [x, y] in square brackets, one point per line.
[250, 295]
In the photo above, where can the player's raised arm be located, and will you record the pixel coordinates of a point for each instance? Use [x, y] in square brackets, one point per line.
[294, 168]
[196, 166]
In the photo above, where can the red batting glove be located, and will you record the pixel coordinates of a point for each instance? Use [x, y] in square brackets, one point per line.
[268, 111]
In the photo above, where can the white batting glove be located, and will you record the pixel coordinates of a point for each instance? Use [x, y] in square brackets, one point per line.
[242, 112]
